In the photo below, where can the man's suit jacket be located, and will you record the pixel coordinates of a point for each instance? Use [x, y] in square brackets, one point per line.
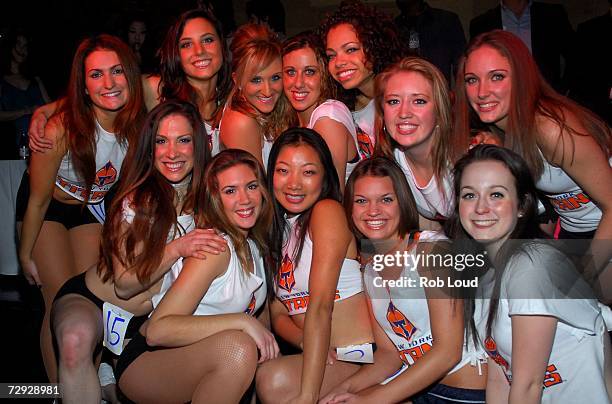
[552, 36]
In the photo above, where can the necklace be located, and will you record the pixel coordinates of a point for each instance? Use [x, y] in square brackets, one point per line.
[180, 190]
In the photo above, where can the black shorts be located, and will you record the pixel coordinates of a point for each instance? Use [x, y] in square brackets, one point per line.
[442, 394]
[76, 285]
[68, 215]
[136, 347]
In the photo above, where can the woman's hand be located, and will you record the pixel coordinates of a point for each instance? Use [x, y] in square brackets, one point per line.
[331, 397]
[264, 339]
[38, 142]
[30, 271]
[197, 243]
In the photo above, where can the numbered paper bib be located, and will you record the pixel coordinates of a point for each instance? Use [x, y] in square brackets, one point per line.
[116, 321]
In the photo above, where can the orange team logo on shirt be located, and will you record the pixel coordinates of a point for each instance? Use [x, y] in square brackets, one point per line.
[491, 348]
[366, 149]
[570, 201]
[106, 175]
[251, 308]
[400, 325]
[286, 280]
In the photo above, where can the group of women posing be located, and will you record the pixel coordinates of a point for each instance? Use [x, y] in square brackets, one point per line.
[230, 218]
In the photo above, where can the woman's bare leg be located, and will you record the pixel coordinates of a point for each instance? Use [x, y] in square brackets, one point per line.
[279, 379]
[217, 369]
[56, 253]
[77, 323]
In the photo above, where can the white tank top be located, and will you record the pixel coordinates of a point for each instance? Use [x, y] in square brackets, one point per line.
[266, 147]
[364, 123]
[109, 158]
[292, 284]
[432, 203]
[576, 210]
[235, 291]
[339, 112]
[213, 139]
[403, 313]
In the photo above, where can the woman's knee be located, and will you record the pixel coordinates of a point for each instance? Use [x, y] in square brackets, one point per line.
[239, 350]
[76, 344]
[272, 381]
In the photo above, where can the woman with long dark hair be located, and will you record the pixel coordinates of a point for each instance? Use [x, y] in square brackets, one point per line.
[60, 202]
[319, 307]
[535, 315]
[312, 94]
[202, 333]
[416, 327]
[159, 183]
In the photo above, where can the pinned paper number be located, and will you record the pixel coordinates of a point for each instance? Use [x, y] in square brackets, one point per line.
[116, 321]
[356, 353]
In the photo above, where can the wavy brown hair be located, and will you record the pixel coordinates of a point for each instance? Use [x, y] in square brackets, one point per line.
[254, 47]
[174, 84]
[531, 96]
[441, 150]
[76, 110]
[139, 246]
[213, 213]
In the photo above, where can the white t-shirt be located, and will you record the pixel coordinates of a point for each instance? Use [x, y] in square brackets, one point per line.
[575, 368]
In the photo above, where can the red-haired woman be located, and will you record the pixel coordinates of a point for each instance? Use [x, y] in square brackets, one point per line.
[61, 203]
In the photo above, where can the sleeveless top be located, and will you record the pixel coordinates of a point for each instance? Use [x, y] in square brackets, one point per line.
[403, 313]
[577, 212]
[339, 112]
[432, 203]
[234, 291]
[292, 281]
[109, 158]
[213, 139]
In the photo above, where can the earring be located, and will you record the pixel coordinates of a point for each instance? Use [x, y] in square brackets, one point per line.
[520, 215]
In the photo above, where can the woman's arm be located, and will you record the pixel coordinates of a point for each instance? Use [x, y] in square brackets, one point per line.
[336, 136]
[585, 162]
[38, 142]
[239, 131]
[330, 239]
[532, 340]
[172, 323]
[447, 331]
[43, 170]
[498, 387]
[193, 244]
[283, 325]
[151, 90]
[386, 361]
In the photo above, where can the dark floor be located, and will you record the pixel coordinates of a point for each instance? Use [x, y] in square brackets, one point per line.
[21, 312]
